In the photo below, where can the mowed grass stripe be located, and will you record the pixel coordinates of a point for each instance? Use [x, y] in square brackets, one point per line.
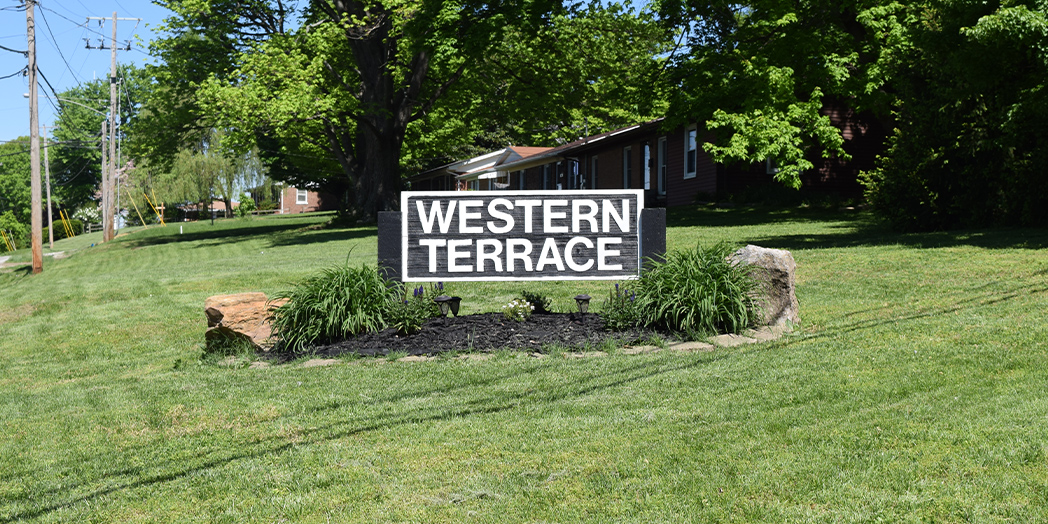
[913, 390]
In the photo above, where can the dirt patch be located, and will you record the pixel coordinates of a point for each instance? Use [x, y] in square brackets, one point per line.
[484, 333]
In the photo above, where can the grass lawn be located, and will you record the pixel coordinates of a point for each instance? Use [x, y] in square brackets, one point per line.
[916, 389]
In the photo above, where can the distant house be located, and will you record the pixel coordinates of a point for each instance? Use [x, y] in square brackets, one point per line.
[294, 200]
[670, 166]
[474, 173]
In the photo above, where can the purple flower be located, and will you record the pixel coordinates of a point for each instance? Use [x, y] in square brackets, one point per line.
[440, 286]
[616, 290]
[633, 296]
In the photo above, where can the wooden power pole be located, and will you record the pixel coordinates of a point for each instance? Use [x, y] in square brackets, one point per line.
[34, 146]
[109, 173]
[47, 184]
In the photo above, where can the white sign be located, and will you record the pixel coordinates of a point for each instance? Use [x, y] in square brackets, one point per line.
[520, 235]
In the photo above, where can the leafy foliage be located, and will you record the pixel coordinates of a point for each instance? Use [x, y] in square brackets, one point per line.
[542, 303]
[75, 153]
[340, 302]
[759, 74]
[697, 292]
[518, 310]
[970, 144]
[16, 232]
[620, 311]
[14, 180]
[410, 313]
[363, 91]
[247, 205]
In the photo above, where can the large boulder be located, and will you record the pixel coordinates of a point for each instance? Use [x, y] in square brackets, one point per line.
[777, 275]
[240, 317]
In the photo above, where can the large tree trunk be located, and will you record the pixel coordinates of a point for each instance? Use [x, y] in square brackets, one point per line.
[379, 183]
[387, 105]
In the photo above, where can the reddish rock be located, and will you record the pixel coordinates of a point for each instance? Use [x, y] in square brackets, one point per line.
[242, 316]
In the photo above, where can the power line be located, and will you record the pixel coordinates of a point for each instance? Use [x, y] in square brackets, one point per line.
[52, 102]
[58, 47]
[19, 72]
[84, 25]
[23, 53]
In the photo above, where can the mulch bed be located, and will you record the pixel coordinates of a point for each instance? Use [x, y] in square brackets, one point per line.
[482, 333]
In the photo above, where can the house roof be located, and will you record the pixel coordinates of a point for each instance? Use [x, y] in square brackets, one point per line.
[478, 166]
[558, 153]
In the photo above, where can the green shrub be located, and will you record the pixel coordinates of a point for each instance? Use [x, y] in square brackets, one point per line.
[340, 302]
[621, 312]
[697, 292]
[60, 231]
[540, 301]
[247, 205]
[14, 230]
[518, 309]
[409, 314]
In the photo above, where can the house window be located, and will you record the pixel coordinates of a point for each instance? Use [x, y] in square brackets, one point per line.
[593, 172]
[301, 196]
[627, 165]
[690, 152]
[663, 165]
[647, 166]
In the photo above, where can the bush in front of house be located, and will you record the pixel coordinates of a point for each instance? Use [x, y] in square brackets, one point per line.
[697, 292]
[246, 207]
[338, 303]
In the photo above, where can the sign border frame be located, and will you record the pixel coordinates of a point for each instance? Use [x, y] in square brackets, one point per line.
[404, 195]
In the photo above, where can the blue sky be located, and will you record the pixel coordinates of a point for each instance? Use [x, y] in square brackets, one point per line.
[62, 57]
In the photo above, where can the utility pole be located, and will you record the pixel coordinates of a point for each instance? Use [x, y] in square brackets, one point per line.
[117, 173]
[109, 186]
[47, 178]
[105, 180]
[34, 145]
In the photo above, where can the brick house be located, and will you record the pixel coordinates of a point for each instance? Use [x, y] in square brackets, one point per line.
[669, 165]
[294, 200]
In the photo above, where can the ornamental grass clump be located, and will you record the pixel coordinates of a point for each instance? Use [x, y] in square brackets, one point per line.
[698, 292]
[338, 303]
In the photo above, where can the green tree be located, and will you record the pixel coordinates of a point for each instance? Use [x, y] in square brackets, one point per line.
[14, 189]
[593, 69]
[759, 73]
[14, 178]
[970, 141]
[75, 151]
[362, 89]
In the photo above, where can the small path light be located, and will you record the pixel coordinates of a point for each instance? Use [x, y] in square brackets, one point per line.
[443, 302]
[583, 302]
[455, 302]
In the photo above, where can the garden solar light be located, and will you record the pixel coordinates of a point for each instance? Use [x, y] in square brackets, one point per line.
[455, 302]
[443, 302]
[583, 302]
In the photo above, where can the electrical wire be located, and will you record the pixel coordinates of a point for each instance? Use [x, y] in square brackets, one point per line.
[23, 53]
[53, 103]
[59, 49]
[19, 72]
[99, 33]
